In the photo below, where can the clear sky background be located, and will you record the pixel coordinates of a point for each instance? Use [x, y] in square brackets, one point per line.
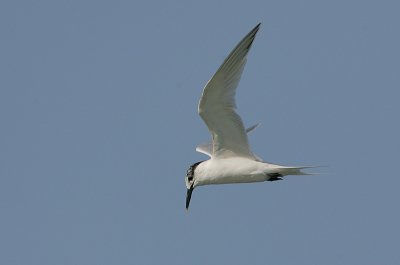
[98, 116]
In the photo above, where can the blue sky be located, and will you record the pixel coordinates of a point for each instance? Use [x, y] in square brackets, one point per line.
[98, 119]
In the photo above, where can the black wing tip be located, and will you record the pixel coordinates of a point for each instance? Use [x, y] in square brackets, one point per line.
[252, 35]
[256, 28]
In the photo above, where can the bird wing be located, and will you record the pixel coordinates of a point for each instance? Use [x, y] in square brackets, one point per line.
[217, 104]
[207, 148]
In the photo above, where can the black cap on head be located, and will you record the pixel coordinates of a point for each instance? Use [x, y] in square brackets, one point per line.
[190, 180]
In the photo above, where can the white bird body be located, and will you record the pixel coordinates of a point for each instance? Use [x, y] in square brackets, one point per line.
[240, 170]
[231, 159]
[234, 170]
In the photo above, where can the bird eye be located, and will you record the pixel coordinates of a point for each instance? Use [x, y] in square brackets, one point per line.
[190, 178]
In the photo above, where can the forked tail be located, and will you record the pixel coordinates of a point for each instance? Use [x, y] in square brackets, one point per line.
[298, 170]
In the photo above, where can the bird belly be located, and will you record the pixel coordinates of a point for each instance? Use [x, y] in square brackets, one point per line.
[230, 179]
[231, 170]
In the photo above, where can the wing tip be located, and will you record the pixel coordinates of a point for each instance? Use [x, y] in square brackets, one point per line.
[252, 35]
[256, 28]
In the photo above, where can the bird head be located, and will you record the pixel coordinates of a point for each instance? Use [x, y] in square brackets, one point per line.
[190, 182]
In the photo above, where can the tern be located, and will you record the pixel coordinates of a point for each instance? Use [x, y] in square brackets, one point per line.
[231, 160]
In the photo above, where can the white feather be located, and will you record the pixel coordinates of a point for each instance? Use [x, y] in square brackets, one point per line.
[207, 148]
[217, 105]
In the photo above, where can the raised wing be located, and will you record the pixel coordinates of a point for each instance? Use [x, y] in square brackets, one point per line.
[217, 104]
[207, 148]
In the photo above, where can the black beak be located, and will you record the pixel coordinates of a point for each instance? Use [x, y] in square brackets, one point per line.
[188, 196]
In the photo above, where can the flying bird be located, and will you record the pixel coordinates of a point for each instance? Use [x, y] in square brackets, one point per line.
[231, 160]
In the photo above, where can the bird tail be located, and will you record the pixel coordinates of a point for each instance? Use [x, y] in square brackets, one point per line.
[299, 170]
